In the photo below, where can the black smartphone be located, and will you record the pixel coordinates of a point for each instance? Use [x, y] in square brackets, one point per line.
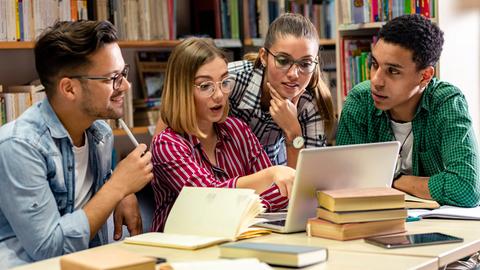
[412, 240]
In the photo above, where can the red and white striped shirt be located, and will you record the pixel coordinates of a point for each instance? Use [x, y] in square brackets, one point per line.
[180, 161]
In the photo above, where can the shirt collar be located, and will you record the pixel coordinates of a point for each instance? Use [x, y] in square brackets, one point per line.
[251, 98]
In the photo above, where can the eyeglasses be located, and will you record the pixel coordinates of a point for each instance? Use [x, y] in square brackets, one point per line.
[284, 63]
[207, 88]
[117, 78]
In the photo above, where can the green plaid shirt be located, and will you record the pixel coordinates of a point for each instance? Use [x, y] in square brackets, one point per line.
[444, 144]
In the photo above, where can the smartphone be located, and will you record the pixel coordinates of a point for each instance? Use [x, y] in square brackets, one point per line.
[412, 240]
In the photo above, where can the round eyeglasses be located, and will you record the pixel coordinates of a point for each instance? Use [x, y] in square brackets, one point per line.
[207, 88]
[284, 62]
[117, 78]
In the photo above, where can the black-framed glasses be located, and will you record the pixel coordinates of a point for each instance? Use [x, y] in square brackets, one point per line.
[207, 88]
[117, 78]
[284, 62]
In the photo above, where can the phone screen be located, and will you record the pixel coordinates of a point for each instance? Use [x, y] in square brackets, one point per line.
[410, 240]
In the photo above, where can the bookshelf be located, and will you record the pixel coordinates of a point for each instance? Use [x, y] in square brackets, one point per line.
[138, 30]
[356, 28]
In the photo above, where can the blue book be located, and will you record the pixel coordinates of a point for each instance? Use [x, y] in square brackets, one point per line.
[275, 254]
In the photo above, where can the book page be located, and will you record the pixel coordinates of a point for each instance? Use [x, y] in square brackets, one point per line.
[449, 212]
[171, 240]
[214, 212]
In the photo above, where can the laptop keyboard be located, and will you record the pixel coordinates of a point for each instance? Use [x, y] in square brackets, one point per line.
[276, 222]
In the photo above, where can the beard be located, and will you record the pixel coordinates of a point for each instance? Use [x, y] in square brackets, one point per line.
[95, 109]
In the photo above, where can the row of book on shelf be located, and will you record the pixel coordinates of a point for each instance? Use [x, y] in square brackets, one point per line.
[363, 11]
[24, 20]
[14, 100]
[249, 19]
[355, 54]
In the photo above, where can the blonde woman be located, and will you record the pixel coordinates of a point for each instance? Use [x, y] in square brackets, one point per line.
[202, 146]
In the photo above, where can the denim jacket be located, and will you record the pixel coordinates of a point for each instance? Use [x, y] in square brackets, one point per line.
[37, 186]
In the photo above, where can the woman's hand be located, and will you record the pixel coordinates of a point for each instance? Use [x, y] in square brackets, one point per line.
[284, 113]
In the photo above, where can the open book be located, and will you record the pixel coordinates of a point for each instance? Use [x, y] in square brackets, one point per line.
[202, 217]
[412, 202]
[447, 211]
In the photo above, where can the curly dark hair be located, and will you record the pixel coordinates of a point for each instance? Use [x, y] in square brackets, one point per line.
[417, 34]
[64, 48]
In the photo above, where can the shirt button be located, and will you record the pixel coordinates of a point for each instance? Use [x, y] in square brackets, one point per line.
[70, 167]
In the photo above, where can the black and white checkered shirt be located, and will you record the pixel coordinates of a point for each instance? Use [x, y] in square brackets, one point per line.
[245, 104]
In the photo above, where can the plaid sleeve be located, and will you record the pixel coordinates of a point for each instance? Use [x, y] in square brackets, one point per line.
[457, 183]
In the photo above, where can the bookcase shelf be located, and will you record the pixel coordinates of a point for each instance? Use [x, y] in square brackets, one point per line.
[135, 131]
[6, 45]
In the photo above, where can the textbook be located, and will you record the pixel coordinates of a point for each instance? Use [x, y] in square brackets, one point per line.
[356, 199]
[322, 228]
[276, 254]
[413, 202]
[202, 217]
[448, 212]
[106, 259]
[361, 216]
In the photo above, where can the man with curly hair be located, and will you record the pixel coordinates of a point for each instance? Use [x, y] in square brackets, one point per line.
[403, 101]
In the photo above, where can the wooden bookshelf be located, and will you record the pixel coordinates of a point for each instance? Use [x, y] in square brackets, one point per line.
[135, 131]
[5, 45]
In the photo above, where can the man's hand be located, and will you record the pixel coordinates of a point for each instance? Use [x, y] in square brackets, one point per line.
[127, 213]
[133, 172]
[415, 185]
[284, 113]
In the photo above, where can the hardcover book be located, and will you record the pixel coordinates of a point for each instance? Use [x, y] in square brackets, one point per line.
[276, 254]
[322, 228]
[356, 199]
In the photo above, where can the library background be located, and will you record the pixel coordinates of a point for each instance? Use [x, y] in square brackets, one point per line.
[149, 29]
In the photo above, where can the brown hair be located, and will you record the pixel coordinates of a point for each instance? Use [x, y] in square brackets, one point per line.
[64, 49]
[296, 25]
[178, 106]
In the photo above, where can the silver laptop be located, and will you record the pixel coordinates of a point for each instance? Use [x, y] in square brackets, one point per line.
[336, 167]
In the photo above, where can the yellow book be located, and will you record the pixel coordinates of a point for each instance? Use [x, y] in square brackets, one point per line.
[356, 199]
[106, 259]
[361, 216]
[415, 202]
[218, 215]
[323, 228]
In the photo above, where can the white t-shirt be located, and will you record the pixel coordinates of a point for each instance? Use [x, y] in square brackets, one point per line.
[83, 175]
[404, 134]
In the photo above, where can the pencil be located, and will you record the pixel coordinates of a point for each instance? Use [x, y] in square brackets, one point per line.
[129, 133]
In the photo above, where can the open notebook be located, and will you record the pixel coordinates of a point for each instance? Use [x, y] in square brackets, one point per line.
[202, 217]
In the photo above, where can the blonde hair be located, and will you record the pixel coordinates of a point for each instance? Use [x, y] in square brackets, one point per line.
[298, 26]
[178, 106]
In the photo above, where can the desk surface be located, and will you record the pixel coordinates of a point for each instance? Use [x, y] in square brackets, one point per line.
[342, 254]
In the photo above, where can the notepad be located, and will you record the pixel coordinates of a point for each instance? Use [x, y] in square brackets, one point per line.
[202, 217]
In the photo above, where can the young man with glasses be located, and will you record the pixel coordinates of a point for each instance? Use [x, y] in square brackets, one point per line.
[281, 95]
[403, 101]
[201, 146]
[55, 159]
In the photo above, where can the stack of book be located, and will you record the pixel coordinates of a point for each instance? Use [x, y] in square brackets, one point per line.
[347, 214]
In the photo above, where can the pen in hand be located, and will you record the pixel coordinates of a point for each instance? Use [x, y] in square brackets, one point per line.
[127, 130]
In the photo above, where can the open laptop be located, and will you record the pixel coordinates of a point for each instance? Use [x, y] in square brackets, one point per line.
[336, 167]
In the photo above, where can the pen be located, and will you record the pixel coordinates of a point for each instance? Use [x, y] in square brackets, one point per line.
[129, 133]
